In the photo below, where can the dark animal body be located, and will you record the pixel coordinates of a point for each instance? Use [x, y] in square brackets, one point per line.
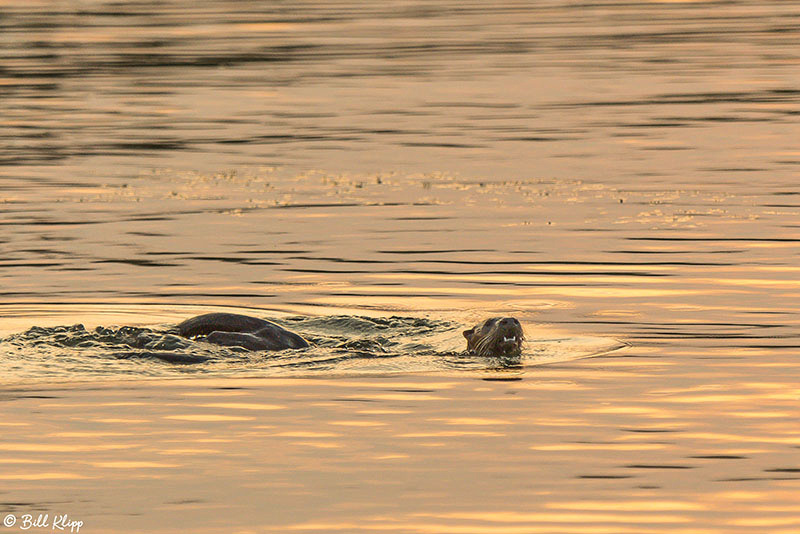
[234, 330]
[498, 336]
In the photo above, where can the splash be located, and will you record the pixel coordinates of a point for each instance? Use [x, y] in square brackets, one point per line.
[341, 345]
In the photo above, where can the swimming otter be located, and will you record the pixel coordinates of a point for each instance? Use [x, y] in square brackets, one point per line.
[498, 336]
[234, 330]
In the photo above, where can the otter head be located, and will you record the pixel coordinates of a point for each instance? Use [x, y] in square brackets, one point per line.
[498, 336]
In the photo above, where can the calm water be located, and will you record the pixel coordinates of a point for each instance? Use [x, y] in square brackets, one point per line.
[606, 172]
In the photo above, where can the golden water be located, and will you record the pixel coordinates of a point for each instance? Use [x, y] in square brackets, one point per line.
[605, 171]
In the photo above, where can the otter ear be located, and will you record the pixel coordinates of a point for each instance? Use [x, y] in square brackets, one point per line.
[468, 333]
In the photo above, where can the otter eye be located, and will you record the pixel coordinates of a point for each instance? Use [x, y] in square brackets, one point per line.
[516, 322]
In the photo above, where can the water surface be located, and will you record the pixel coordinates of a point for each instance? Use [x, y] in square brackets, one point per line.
[604, 170]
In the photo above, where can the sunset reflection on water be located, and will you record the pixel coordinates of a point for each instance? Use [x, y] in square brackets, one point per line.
[619, 176]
